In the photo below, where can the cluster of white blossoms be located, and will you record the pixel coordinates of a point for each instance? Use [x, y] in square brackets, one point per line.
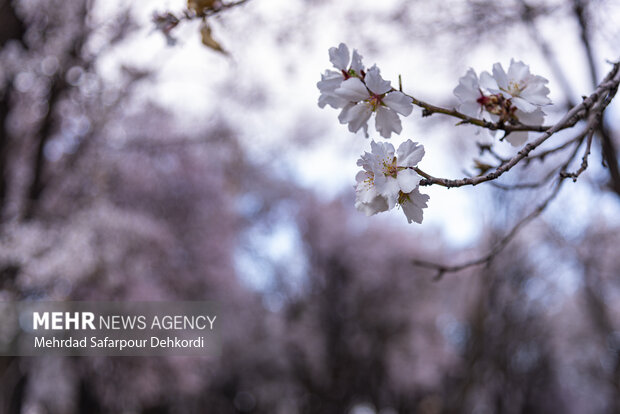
[390, 178]
[515, 97]
[361, 93]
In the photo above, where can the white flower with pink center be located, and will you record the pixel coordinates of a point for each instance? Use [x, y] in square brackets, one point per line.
[513, 98]
[388, 178]
[369, 95]
[527, 92]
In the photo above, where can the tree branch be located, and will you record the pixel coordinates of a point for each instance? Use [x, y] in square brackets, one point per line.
[584, 160]
[597, 101]
[430, 109]
[594, 105]
[487, 258]
[610, 153]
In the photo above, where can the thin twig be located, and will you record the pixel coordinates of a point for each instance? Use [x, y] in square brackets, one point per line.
[487, 258]
[225, 6]
[596, 103]
[543, 154]
[430, 109]
[584, 160]
[443, 269]
[489, 148]
[527, 186]
[189, 15]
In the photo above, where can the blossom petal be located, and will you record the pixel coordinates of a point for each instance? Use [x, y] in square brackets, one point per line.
[366, 161]
[383, 151]
[518, 71]
[488, 82]
[408, 180]
[356, 62]
[534, 118]
[413, 205]
[468, 88]
[388, 187]
[365, 129]
[331, 100]
[356, 116]
[472, 109]
[500, 76]
[365, 190]
[352, 90]
[523, 105]
[536, 93]
[344, 114]
[376, 205]
[409, 154]
[517, 138]
[339, 56]
[375, 82]
[399, 102]
[387, 121]
[330, 81]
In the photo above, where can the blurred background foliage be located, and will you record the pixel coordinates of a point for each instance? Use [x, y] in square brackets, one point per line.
[108, 194]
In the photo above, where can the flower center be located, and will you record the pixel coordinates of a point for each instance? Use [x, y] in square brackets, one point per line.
[497, 105]
[402, 197]
[515, 88]
[390, 168]
[375, 101]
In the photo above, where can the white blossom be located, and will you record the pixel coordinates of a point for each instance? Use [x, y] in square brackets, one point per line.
[412, 205]
[331, 79]
[471, 96]
[535, 118]
[515, 97]
[527, 92]
[373, 94]
[388, 178]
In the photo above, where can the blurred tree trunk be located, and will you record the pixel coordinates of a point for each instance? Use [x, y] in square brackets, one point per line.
[11, 28]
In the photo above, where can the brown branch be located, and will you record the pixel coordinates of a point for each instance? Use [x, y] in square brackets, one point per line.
[598, 100]
[430, 109]
[597, 107]
[584, 160]
[608, 146]
[528, 186]
[487, 258]
[543, 154]
[226, 6]
[189, 15]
